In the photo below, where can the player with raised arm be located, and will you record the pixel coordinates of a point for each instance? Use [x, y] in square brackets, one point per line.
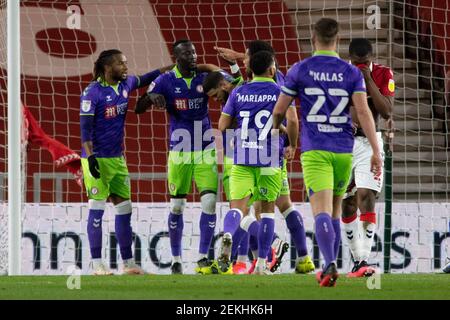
[103, 108]
[294, 220]
[325, 84]
[192, 150]
[365, 185]
[256, 173]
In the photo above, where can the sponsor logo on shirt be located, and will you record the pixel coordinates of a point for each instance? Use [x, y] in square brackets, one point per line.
[110, 112]
[195, 103]
[251, 145]
[181, 104]
[188, 104]
[325, 76]
[328, 128]
[86, 105]
[114, 111]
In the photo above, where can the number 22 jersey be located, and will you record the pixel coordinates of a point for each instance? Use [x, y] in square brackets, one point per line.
[325, 84]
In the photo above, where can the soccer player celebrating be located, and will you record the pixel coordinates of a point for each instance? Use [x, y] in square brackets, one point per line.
[365, 185]
[325, 83]
[180, 93]
[256, 172]
[294, 220]
[104, 104]
[218, 86]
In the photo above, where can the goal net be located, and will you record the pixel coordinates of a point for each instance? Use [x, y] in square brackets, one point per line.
[60, 42]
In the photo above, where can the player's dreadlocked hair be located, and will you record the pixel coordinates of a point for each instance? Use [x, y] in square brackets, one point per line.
[105, 58]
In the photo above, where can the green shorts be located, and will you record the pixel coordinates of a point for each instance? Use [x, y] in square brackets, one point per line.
[227, 165]
[262, 183]
[114, 179]
[185, 166]
[324, 170]
[285, 191]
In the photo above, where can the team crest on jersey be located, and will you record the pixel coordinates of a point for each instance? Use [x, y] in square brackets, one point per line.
[94, 190]
[391, 85]
[200, 88]
[125, 93]
[86, 105]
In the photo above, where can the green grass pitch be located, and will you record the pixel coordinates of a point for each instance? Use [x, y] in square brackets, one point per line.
[221, 287]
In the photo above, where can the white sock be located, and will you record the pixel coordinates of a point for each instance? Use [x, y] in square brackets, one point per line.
[351, 231]
[255, 254]
[261, 263]
[367, 241]
[176, 259]
[96, 262]
[276, 243]
[241, 259]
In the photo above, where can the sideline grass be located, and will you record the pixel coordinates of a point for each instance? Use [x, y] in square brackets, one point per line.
[196, 287]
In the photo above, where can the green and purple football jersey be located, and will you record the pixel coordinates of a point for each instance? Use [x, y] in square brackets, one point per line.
[252, 105]
[187, 106]
[325, 84]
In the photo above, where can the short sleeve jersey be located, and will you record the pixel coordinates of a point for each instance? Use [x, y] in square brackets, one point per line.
[187, 105]
[384, 79]
[325, 84]
[251, 104]
[108, 105]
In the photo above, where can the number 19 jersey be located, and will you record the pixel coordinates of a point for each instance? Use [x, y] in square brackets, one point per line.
[325, 85]
[252, 104]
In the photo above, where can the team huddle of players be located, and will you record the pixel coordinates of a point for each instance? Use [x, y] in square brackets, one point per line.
[259, 131]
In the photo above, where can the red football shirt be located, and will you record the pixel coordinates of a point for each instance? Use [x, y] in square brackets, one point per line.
[383, 78]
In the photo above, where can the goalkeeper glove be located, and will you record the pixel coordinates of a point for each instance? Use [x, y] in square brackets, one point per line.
[94, 168]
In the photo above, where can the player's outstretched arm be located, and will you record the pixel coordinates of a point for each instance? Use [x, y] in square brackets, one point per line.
[229, 54]
[368, 125]
[279, 111]
[207, 67]
[146, 79]
[167, 68]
